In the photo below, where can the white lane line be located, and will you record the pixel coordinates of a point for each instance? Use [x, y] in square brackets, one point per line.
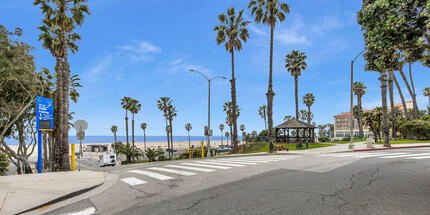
[350, 154]
[152, 174]
[380, 155]
[85, 211]
[206, 165]
[422, 157]
[173, 171]
[133, 181]
[191, 168]
[409, 155]
[219, 163]
[253, 161]
[238, 162]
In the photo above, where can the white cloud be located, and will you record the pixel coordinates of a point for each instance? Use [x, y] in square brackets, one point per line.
[338, 81]
[327, 24]
[292, 35]
[141, 47]
[103, 64]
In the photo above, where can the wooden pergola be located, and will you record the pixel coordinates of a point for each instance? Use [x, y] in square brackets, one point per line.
[304, 131]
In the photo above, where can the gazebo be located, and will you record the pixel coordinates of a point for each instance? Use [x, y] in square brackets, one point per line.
[304, 131]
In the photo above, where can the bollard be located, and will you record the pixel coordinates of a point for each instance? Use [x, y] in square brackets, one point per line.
[203, 150]
[73, 157]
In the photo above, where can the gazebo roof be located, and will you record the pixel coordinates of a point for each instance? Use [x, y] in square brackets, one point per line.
[295, 123]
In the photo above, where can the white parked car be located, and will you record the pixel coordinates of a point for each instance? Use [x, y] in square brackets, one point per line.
[107, 159]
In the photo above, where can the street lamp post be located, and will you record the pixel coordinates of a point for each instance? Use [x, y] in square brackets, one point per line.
[209, 106]
[351, 123]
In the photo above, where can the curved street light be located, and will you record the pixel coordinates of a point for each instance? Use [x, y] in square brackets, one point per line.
[351, 123]
[209, 105]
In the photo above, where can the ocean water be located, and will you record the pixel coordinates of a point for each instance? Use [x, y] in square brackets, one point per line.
[110, 139]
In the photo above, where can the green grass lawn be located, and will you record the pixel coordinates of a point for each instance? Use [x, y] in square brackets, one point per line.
[404, 141]
[264, 147]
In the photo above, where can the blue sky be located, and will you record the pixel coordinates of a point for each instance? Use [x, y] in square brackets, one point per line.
[144, 49]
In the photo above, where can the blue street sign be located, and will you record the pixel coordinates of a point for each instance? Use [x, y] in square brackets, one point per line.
[44, 122]
[44, 114]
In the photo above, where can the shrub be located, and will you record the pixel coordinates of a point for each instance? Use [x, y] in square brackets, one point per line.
[419, 129]
[4, 163]
[324, 139]
[151, 153]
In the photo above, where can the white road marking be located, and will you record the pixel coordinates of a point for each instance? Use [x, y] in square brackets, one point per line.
[133, 181]
[238, 162]
[173, 171]
[379, 155]
[409, 155]
[85, 211]
[206, 165]
[254, 161]
[422, 157]
[220, 163]
[352, 154]
[152, 174]
[191, 168]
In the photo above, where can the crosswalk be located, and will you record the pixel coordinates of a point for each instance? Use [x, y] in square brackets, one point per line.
[190, 168]
[384, 155]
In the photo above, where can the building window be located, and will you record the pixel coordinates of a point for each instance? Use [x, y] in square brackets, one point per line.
[339, 134]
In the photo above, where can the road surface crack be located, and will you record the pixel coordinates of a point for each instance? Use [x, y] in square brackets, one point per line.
[197, 203]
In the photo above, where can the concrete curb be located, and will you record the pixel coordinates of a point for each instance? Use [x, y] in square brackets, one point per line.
[399, 147]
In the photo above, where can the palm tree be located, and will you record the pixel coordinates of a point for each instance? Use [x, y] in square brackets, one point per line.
[427, 93]
[295, 63]
[254, 135]
[221, 127]
[228, 109]
[188, 127]
[359, 90]
[309, 100]
[114, 129]
[126, 104]
[242, 128]
[385, 126]
[263, 114]
[269, 12]
[129, 151]
[227, 134]
[171, 112]
[135, 107]
[60, 20]
[162, 105]
[401, 96]
[232, 31]
[287, 117]
[412, 93]
[391, 93]
[143, 127]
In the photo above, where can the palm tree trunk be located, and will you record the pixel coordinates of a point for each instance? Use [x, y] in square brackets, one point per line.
[270, 94]
[410, 76]
[45, 151]
[171, 138]
[413, 96]
[296, 83]
[405, 108]
[360, 125]
[233, 101]
[168, 139]
[231, 131]
[265, 124]
[189, 139]
[114, 136]
[393, 116]
[385, 126]
[132, 137]
[126, 125]
[309, 114]
[144, 139]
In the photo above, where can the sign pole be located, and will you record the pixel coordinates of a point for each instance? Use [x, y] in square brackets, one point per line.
[39, 151]
[80, 154]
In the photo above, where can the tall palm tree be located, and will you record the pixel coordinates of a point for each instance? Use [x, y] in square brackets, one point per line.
[232, 31]
[295, 64]
[385, 126]
[126, 104]
[60, 20]
[228, 109]
[269, 12]
[242, 128]
[426, 92]
[391, 94]
[188, 127]
[114, 129]
[309, 100]
[221, 127]
[135, 107]
[263, 114]
[171, 112]
[359, 90]
[162, 105]
[227, 134]
[401, 97]
[143, 127]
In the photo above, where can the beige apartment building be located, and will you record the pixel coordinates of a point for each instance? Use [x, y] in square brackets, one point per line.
[341, 123]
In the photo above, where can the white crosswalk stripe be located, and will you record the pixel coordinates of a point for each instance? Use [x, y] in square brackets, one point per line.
[236, 162]
[133, 181]
[152, 174]
[173, 171]
[423, 157]
[206, 165]
[225, 164]
[408, 155]
[191, 168]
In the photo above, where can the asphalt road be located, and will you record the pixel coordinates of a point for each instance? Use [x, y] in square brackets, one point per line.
[375, 182]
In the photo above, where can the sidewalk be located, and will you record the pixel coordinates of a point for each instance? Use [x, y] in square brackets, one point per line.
[19, 193]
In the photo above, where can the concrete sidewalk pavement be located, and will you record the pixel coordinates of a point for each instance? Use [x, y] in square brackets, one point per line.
[19, 193]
